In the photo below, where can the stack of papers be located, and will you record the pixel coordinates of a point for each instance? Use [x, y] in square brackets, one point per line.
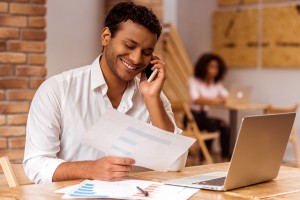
[127, 189]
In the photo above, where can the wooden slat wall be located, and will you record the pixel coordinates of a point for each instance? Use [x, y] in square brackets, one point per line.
[179, 66]
[179, 69]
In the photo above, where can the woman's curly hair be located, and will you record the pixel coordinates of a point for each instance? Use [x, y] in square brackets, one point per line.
[202, 65]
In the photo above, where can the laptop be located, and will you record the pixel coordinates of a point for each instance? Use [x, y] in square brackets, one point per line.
[256, 158]
[238, 95]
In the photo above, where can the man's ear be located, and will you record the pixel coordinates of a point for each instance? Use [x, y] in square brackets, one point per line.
[105, 36]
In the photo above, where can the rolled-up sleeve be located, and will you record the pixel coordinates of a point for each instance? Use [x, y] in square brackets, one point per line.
[43, 132]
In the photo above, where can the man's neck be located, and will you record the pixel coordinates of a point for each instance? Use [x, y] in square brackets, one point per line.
[116, 86]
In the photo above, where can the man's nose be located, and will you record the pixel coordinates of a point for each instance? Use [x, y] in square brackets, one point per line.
[136, 57]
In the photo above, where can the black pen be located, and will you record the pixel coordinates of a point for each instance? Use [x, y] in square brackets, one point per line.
[143, 191]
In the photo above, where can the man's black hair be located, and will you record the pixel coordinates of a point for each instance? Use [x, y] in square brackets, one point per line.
[124, 11]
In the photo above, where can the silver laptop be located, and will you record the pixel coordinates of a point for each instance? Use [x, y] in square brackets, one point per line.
[256, 158]
[239, 95]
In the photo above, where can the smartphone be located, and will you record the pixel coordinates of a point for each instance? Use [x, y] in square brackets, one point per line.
[148, 70]
[150, 73]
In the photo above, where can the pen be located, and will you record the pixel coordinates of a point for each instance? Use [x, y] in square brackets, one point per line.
[143, 191]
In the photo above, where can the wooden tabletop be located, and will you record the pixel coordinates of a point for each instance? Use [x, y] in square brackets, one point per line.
[285, 186]
[178, 106]
[248, 106]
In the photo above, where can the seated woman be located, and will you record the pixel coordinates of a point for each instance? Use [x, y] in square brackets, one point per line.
[205, 89]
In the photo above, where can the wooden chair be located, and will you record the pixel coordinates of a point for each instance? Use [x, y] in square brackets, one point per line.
[293, 138]
[192, 130]
[176, 89]
[14, 173]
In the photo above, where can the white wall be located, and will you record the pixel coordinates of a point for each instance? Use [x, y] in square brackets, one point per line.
[170, 12]
[194, 25]
[73, 33]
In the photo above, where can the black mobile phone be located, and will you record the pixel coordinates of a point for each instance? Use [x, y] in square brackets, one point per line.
[148, 70]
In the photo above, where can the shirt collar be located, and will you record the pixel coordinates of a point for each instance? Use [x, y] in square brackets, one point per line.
[97, 78]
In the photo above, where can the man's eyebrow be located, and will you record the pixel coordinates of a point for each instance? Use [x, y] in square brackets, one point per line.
[136, 43]
[133, 41]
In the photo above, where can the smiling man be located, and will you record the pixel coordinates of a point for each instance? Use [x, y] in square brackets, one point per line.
[68, 104]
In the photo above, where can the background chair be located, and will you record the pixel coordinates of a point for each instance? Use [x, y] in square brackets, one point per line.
[293, 138]
[14, 173]
[192, 130]
[177, 92]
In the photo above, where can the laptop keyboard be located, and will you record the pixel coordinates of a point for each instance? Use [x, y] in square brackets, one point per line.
[216, 182]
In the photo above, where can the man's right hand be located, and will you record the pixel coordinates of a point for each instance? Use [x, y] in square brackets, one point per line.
[111, 168]
[107, 169]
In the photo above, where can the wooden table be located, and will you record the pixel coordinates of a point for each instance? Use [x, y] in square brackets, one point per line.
[233, 109]
[233, 117]
[285, 186]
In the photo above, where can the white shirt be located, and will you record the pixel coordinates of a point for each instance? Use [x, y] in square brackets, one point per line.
[64, 107]
[198, 88]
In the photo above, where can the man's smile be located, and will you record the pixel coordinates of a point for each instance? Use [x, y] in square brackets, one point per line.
[128, 66]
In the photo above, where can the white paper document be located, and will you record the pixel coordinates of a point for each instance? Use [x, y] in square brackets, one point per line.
[127, 189]
[67, 189]
[117, 134]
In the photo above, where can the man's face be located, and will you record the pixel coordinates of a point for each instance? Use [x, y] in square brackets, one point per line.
[129, 52]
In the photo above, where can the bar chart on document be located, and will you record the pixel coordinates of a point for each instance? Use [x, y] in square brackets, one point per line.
[127, 189]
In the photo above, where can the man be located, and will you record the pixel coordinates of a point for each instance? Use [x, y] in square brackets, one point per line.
[67, 105]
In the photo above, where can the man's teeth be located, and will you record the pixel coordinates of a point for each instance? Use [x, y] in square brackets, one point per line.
[128, 66]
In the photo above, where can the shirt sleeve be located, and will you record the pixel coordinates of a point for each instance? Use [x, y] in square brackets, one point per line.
[168, 109]
[43, 132]
[181, 160]
[193, 89]
[223, 91]
[179, 164]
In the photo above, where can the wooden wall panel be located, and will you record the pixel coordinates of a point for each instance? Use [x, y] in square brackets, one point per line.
[236, 2]
[281, 33]
[240, 2]
[235, 37]
[273, 1]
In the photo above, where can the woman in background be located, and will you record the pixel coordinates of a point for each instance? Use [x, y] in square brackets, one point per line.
[205, 89]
